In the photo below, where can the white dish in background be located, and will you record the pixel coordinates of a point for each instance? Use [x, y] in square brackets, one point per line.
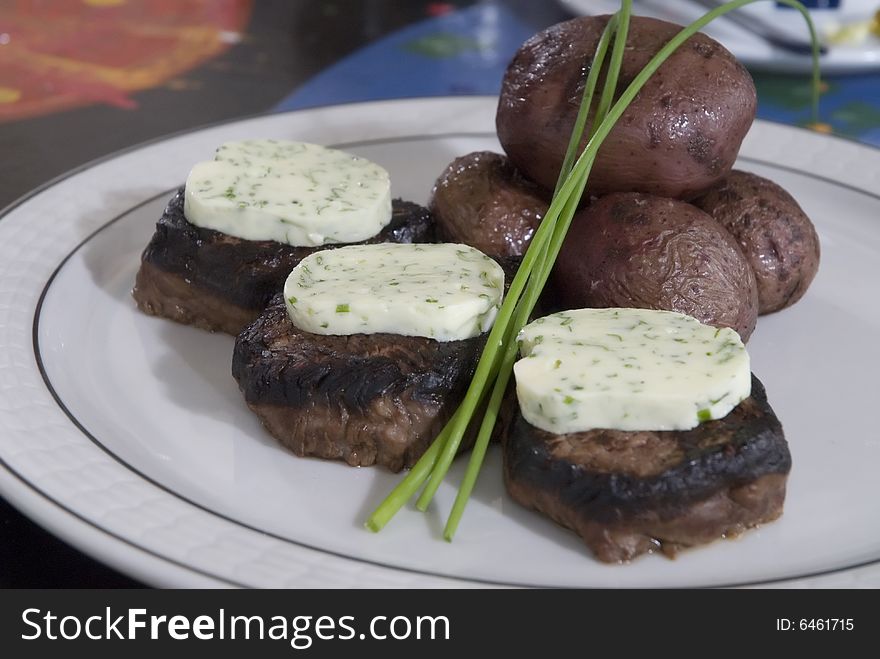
[750, 48]
[161, 471]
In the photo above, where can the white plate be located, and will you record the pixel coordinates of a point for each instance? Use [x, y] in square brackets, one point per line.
[751, 49]
[135, 445]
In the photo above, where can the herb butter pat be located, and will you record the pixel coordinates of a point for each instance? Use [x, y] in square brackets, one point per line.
[628, 369]
[290, 192]
[445, 292]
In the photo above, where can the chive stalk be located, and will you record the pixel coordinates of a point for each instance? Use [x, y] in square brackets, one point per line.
[496, 363]
[557, 207]
[491, 354]
[586, 102]
[409, 485]
[618, 28]
[416, 477]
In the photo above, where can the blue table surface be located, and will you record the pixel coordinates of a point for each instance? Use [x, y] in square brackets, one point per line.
[466, 51]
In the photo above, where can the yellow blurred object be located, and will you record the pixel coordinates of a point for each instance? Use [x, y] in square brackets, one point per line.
[855, 33]
[9, 95]
[821, 127]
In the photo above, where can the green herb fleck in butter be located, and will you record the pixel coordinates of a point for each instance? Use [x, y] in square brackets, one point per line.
[445, 292]
[291, 192]
[628, 369]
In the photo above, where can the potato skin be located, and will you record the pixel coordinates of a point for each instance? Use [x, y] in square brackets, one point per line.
[643, 251]
[481, 200]
[775, 234]
[679, 136]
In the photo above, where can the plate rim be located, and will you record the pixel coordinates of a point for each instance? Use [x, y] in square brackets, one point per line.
[225, 581]
[93, 162]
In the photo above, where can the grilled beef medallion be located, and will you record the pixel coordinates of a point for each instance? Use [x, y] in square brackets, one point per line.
[367, 399]
[627, 493]
[218, 282]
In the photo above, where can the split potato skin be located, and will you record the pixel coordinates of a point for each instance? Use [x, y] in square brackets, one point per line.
[481, 200]
[643, 251]
[678, 137]
[775, 234]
